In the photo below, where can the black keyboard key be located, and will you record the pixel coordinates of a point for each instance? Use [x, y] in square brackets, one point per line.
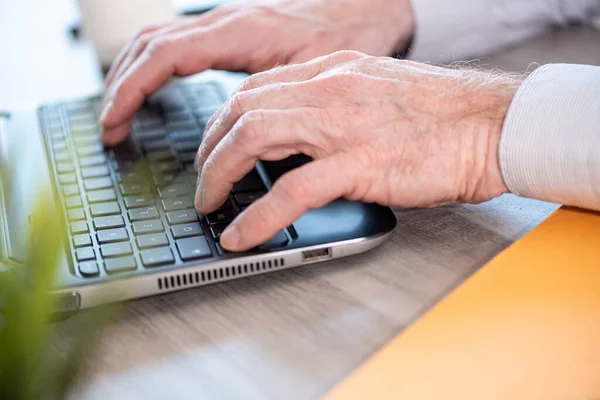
[152, 240]
[97, 159]
[88, 268]
[151, 226]
[164, 167]
[112, 235]
[141, 214]
[185, 126]
[162, 155]
[64, 167]
[95, 172]
[73, 202]
[219, 217]
[134, 188]
[113, 221]
[247, 198]
[185, 136]
[249, 183]
[85, 253]
[102, 209]
[177, 203]
[98, 196]
[193, 248]
[182, 216]
[187, 157]
[179, 116]
[97, 183]
[70, 190]
[79, 227]
[65, 179]
[225, 206]
[132, 176]
[119, 264]
[76, 214]
[186, 230]
[174, 190]
[187, 145]
[280, 239]
[81, 240]
[157, 256]
[153, 133]
[142, 200]
[217, 229]
[116, 249]
[156, 145]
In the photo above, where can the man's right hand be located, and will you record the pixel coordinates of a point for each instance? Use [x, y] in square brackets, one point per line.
[250, 37]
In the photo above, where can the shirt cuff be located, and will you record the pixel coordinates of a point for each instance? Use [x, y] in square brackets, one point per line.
[550, 143]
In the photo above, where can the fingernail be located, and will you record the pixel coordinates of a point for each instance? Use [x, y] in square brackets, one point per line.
[199, 196]
[106, 110]
[230, 239]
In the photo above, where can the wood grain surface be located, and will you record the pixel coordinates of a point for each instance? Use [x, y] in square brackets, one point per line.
[290, 334]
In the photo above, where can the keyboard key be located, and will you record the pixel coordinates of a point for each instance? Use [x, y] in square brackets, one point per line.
[85, 253]
[280, 239]
[173, 190]
[70, 190]
[76, 214]
[102, 209]
[64, 167]
[177, 203]
[182, 216]
[140, 214]
[193, 248]
[94, 172]
[134, 188]
[81, 240]
[185, 136]
[187, 145]
[88, 268]
[187, 157]
[97, 196]
[62, 156]
[66, 179]
[186, 230]
[142, 200]
[73, 202]
[217, 229]
[156, 145]
[152, 240]
[157, 256]
[116, 249]
[225, 206]
[90, 149]
[245, 199]
[86, 138]
[119, 264]
[162, 180]
[162, 155]
[112, 235]
[59, 145]
[249, 183]
[165, 166]
[97, 183]
[186, 126]
[79, 227]
[156, 132]
[97, 159]
[132, 176]
[218, 217]
[152, 226]
[113, 221]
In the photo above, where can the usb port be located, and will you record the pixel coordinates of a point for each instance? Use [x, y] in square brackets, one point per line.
[316, 255]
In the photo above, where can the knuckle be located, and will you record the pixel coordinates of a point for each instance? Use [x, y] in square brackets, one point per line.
[250, 127]
[240, 103]
[144, 31]
[157, 47]
[141, 42]
[346, 55]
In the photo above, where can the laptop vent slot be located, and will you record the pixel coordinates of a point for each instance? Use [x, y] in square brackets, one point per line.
[176, 281]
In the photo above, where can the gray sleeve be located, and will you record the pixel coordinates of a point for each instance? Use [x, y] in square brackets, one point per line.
[450, 30]
[550, 143]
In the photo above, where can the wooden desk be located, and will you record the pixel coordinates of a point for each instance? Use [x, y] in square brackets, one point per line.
[291, 334]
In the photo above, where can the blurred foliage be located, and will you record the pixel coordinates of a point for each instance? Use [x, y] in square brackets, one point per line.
[36, 360]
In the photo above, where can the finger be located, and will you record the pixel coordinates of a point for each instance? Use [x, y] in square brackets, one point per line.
[310, 186]
[278, 96]
[266, 135]
[179, 54]
[291, 74]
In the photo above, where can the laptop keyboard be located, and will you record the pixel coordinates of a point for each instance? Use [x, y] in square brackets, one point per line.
[131, 207]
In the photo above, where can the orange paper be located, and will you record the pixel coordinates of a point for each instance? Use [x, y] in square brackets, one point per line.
[525, 326]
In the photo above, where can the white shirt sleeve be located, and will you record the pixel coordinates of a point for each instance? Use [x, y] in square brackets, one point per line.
[450, 30]
[550, 143]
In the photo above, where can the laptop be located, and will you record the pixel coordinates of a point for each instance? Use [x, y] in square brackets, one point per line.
[127, 213]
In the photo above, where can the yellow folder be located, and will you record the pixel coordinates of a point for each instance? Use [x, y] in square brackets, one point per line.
[525, 326]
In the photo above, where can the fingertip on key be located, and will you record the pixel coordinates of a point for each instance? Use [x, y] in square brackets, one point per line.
[231, 239]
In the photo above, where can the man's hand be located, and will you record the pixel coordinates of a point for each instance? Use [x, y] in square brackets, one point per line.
[379, 130]
[252, 37]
